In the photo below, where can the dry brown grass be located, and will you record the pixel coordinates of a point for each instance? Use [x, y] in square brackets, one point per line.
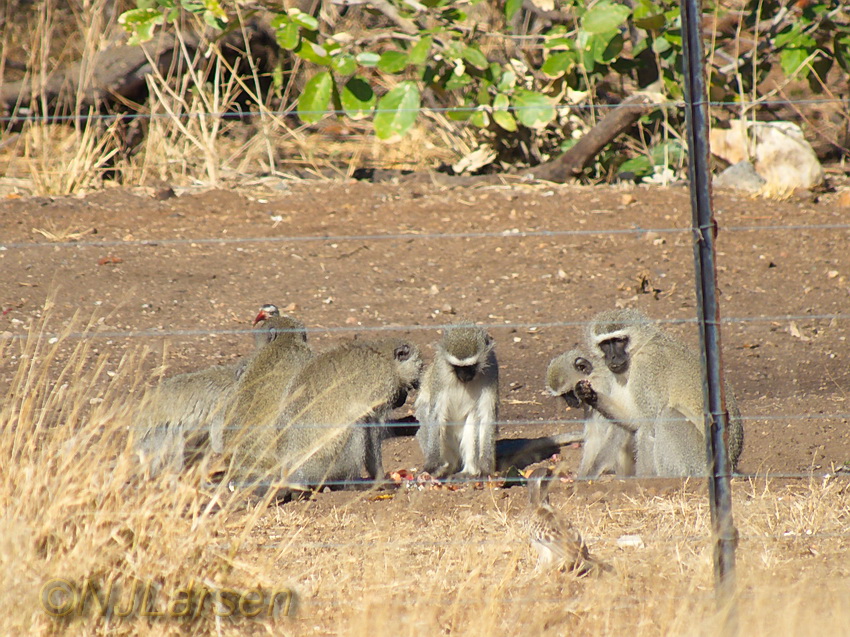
[424, 562]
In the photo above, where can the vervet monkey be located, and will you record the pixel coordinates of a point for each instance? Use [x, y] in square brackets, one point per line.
[258, 396]
[555, 539]
[458, 405]
[607, 446]
[184, 414]
[331, 420]
[175, 419]
[656, 391]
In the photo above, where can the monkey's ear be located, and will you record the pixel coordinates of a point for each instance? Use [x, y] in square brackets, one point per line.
[402, 352]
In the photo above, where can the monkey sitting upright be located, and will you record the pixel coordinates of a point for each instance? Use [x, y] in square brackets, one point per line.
[655, 390]
[458, 405]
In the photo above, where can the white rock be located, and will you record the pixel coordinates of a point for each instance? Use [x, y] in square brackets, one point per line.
[630, 542]
[740, 176]
[778, 150]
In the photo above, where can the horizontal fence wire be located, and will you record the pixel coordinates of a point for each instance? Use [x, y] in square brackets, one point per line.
[533, 423]
[235, 115]
[347, 329]
[414, 483]
[648, 538]
[513, 233]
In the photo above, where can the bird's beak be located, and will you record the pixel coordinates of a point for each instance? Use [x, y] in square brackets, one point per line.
[262, 316]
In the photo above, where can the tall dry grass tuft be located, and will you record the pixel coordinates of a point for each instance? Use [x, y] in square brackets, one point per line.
[67, 156]
[72, 504]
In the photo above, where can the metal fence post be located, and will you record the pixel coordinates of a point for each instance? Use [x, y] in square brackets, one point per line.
[704, 228]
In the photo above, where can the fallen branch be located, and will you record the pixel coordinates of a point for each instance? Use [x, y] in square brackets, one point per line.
[573, 162]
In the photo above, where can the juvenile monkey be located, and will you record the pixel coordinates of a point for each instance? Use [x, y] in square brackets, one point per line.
[183, 416]
[458, 405]
[330, 423]
[607, 446]
[656, 391]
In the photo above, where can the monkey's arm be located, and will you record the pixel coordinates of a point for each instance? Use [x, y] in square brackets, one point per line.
[488, 415]
[606, 406]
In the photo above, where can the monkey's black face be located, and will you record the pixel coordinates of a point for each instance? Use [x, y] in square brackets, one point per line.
[616, 356]
[571, 399]
[465, 373]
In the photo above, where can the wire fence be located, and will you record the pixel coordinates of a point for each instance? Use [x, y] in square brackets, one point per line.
[838, 469]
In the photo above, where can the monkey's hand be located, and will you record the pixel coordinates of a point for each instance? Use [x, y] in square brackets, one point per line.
[584, 391]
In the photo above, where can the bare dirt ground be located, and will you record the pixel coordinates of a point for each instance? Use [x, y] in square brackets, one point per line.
[171, 272]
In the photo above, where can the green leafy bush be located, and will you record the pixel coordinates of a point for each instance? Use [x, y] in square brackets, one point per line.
[520, 93]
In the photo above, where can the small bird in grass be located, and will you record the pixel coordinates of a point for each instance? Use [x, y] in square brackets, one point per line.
[556, 540]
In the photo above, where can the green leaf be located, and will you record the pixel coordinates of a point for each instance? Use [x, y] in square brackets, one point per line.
[457, 80]
[140, 24]
[483, 94]
[511, 8]
[418, 53]
[595, 47]
[480, 119]
[507, 81]
[344, 64]
[314, 99]
[367, 58]
[670, 153]
[533, 109]
[358, 98]
[660, 45]
[475, 57]
[587, 48]
[397, 111]
[558, 63]
[287, 36]
[791, 59]
[193, 6]
[501, 115]
[214, 8]
[392, 61]
[613, 49]
[304, 20]
[568, 143]
[648, 16]
[215, 22]
[795, 38]
[558, 43]
[639, 166]
[138, 16]
[312, 52]
[460, 113]
[604, 16]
